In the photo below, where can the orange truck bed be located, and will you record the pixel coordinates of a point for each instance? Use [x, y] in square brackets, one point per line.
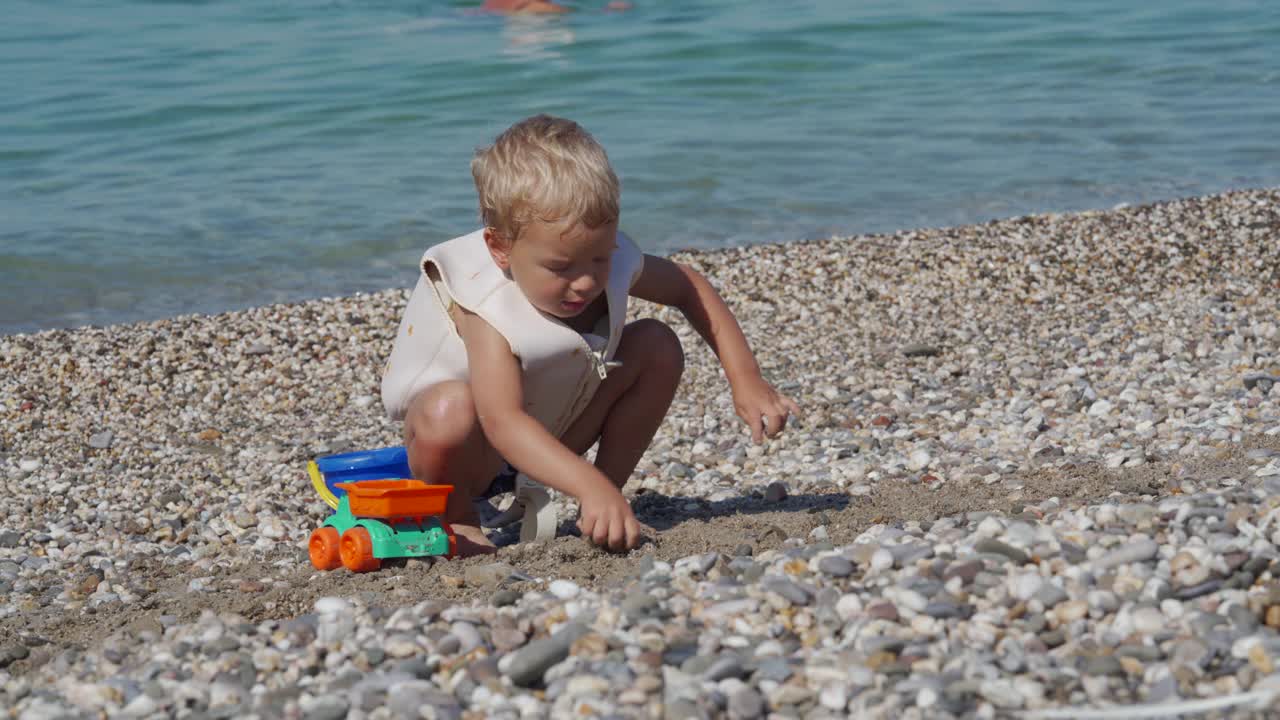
[396, 498]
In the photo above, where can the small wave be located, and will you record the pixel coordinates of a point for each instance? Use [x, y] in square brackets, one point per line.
[419, 25]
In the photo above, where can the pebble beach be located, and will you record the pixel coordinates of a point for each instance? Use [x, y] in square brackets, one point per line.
[1037, 475]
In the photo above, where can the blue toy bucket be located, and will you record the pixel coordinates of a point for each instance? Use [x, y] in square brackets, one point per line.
[383, 463]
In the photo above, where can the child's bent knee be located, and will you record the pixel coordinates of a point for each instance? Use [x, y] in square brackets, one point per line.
[662, 346]
[442, 414]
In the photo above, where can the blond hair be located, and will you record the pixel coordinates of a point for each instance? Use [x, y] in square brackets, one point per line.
[544, 168]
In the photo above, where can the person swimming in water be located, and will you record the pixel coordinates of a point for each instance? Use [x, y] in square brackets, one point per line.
[522, 6]
[514, 7]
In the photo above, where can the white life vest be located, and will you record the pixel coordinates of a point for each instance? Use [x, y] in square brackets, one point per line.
[561, 371]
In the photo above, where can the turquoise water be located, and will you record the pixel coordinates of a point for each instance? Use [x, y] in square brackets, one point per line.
[159, 158]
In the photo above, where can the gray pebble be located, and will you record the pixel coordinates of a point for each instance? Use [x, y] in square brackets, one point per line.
[1053, 638]
[417, 667]
[1139, 551]
[1003, 549]
[1145, 653]
[946, 610]
[12, 652]
[776, 492]
[726, 666]
[920, 350]
[745, 703]
[327, 707]
[101, 440]
[697, 664]
[1051, 595]
[639, 605]
[530, 662]
[966, 570]
[835, 566]
[1195, 591]
[773, 668]
[1101, 665]
[793, 592]
[467, 635]
[503, 598]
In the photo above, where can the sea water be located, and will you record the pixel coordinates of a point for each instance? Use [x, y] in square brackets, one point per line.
[167, 157]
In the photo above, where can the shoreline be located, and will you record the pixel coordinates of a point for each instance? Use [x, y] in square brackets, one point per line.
[682, 252]
[948, 541]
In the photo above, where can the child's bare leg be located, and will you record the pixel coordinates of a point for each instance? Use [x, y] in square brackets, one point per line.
[446, 446]
[631, 403]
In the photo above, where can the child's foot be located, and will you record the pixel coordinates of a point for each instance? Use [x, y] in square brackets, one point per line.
[472, 541]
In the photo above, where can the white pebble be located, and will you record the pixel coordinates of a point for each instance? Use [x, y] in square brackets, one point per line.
[564, 589]
[271, 527]
[833, 697]
[330, 605]
[881, 560]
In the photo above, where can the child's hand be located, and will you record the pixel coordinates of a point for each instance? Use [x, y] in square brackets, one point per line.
[762, 408]
[607, 520]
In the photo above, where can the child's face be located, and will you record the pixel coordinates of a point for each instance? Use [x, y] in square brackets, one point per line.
[561, 267]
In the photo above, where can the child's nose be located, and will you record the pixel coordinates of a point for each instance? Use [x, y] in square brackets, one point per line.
[584, 284]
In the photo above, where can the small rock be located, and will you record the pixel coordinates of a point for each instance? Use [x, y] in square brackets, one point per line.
[835, 566]
[503, 598]
[997, 547]
[793, 592]
[883, 610]
[726, 666]
[639, 605]
[528, 664]
[1102, 665]
[1001, 693]
[745, 703]
[919, 460]
[12, 652]
[272, 527]
[775, 492]
[326, 707]
[1072, 610]
[468, 638]
[488, 575]
[507, 639]
[920, 350]
[1139, 551]
[564, 589]
[1051, 595]
[101, 440]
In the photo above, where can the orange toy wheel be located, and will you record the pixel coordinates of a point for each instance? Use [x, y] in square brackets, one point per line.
[323, 548]
[453, 539]
[357, 551]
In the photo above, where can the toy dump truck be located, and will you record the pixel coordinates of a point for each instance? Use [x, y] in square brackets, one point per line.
[378, 512]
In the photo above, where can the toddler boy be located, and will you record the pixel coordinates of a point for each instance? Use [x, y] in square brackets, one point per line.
[514, 346]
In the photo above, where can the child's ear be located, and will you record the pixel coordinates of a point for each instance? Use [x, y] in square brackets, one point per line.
[499, 248]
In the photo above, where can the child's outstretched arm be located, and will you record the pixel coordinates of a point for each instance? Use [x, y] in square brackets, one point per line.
[759, 404]
[497, 387]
